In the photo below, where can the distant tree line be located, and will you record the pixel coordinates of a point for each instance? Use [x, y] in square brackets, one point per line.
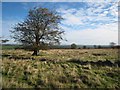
[112, 45]
[72, 46]
[45, 46]
[3, 41]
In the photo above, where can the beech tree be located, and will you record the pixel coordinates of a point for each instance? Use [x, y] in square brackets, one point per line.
[40, 26]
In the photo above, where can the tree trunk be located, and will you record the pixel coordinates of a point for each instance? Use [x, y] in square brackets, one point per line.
[35, 53]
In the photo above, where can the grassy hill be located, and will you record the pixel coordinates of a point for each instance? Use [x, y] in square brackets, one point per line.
[61, 68]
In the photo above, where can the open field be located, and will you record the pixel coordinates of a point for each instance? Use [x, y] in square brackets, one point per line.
[61, 68]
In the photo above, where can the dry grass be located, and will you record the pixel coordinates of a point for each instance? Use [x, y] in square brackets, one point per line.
[57, 71]
[66, 54]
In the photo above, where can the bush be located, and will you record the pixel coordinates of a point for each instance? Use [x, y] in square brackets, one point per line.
[99, 47]
[84, 47]
[73, 46]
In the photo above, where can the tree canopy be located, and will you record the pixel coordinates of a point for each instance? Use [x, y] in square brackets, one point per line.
[40, 26]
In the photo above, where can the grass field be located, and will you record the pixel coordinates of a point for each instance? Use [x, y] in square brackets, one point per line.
[10, 47]
[61, 68]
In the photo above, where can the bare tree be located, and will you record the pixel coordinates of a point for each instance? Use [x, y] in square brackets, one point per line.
[3, 40]
[40, 26]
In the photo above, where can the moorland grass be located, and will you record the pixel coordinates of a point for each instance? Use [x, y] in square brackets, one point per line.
[53, 69]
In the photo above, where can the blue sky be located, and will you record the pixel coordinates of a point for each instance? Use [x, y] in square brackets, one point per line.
[84, 22]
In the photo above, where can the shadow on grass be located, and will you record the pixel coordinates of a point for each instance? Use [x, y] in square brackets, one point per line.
[5, 55]
[97, 63]
[15, 57]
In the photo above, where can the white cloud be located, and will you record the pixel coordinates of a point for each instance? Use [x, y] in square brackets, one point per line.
[72, 16]
[102, 35]
[95, 13]
[72, 20]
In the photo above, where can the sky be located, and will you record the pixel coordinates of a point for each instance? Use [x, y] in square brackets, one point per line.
[85, 23]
